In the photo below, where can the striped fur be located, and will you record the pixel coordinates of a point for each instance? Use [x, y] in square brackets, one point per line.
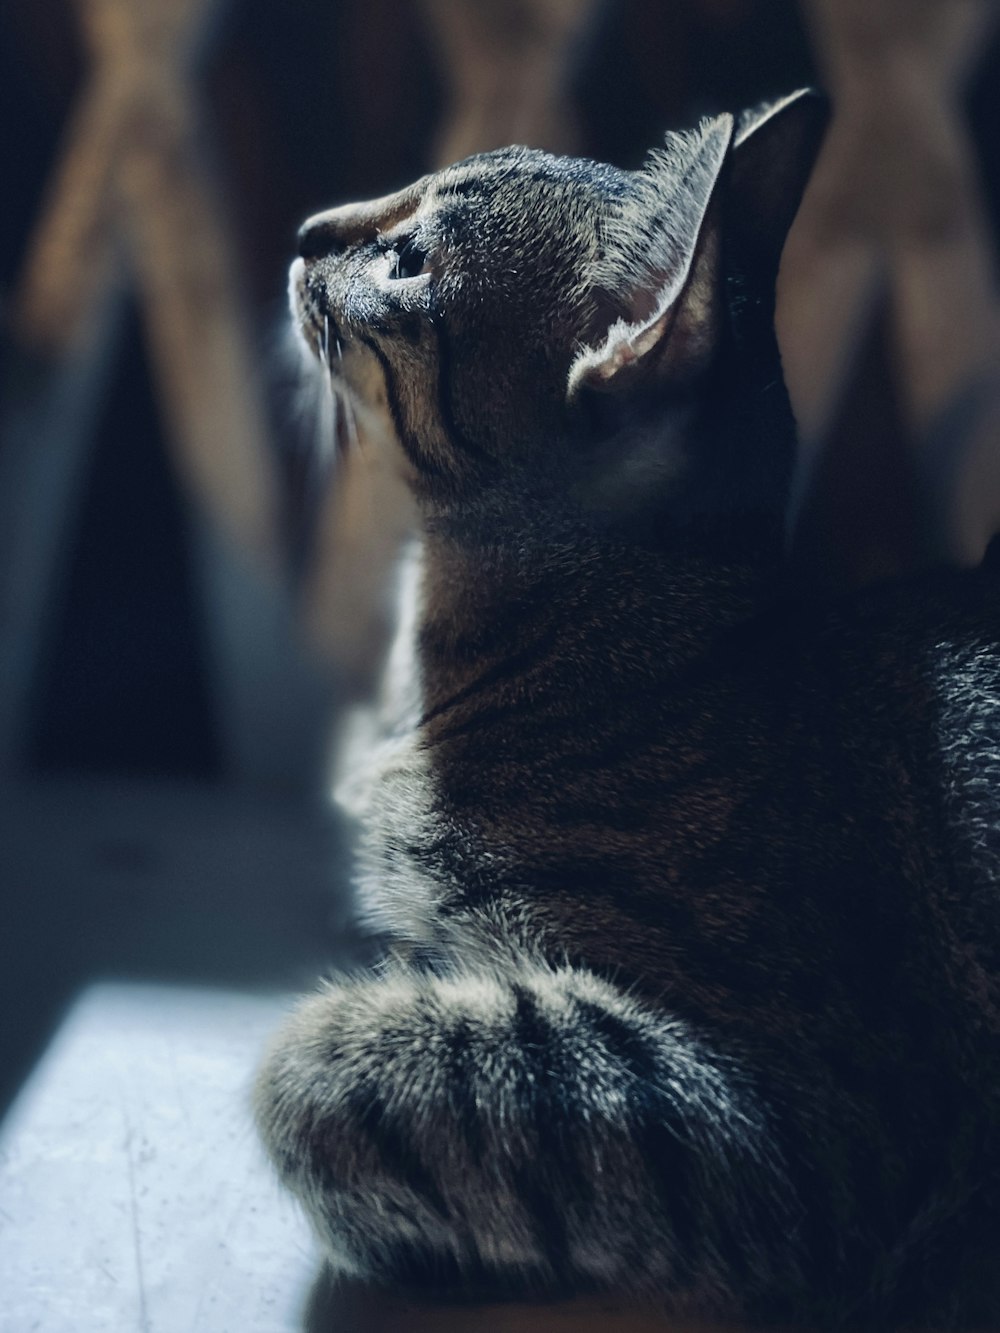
[685, 882]
[492, 1129]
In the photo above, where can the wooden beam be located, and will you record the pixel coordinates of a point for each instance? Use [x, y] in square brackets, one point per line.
[134, 201]
[892, 236]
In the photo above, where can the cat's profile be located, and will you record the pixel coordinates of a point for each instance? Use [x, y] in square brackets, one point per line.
[686, 877]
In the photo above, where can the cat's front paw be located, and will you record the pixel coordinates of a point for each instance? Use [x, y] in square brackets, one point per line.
[530, 1134]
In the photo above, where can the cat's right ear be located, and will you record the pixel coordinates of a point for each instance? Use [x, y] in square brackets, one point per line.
[655, 284]
[659, 279]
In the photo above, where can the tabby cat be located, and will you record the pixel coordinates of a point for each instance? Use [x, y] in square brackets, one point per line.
[686, 873]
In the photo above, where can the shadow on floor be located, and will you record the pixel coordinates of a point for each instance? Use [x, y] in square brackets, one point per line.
[158, 881]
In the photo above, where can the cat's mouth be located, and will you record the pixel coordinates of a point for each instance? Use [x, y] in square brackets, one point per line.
[353, 407]
[322, 338]
[310, 319]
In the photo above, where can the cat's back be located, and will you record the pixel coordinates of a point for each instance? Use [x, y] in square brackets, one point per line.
[820, 771]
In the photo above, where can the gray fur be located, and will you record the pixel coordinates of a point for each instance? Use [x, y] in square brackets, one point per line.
[685, 877]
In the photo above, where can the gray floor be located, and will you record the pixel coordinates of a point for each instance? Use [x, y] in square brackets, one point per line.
[134, 1194]
[156, 881]
[152, 934]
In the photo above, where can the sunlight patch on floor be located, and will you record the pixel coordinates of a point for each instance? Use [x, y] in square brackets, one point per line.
[133, 1192]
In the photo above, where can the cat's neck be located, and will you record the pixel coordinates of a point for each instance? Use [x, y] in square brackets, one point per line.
[589, 605]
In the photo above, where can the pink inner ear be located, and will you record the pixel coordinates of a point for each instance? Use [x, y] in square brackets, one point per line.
[682, 311]
[628, 342]
[631, 348]
[655, 253]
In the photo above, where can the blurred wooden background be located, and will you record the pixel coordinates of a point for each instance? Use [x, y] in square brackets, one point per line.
[166, 534]
[181, 591]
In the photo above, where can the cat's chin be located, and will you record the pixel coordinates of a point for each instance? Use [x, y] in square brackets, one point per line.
[296, 286]
[306, 319]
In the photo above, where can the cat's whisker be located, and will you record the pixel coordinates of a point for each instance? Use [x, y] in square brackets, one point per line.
[345, 432]
[331, 339]
[338, 421]
[356, 438]
[351, 418]
[327, 418]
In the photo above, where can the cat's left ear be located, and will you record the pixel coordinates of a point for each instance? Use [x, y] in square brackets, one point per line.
[775, 146]
[659, 278]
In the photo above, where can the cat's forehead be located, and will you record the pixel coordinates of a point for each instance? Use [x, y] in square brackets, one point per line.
[532, 172]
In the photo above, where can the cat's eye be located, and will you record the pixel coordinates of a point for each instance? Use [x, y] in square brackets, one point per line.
[411, 260]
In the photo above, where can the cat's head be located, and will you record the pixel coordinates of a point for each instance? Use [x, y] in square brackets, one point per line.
[550, 333]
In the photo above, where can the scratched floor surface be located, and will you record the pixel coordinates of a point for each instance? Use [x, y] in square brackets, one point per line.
[133, 1194]
[134, 1197]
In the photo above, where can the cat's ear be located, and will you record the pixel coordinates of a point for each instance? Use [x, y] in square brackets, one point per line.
[660, 272]
[655, 281]
[775, 147]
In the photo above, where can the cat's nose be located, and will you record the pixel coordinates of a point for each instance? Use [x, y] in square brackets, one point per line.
[317, 237]
[332, 232]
